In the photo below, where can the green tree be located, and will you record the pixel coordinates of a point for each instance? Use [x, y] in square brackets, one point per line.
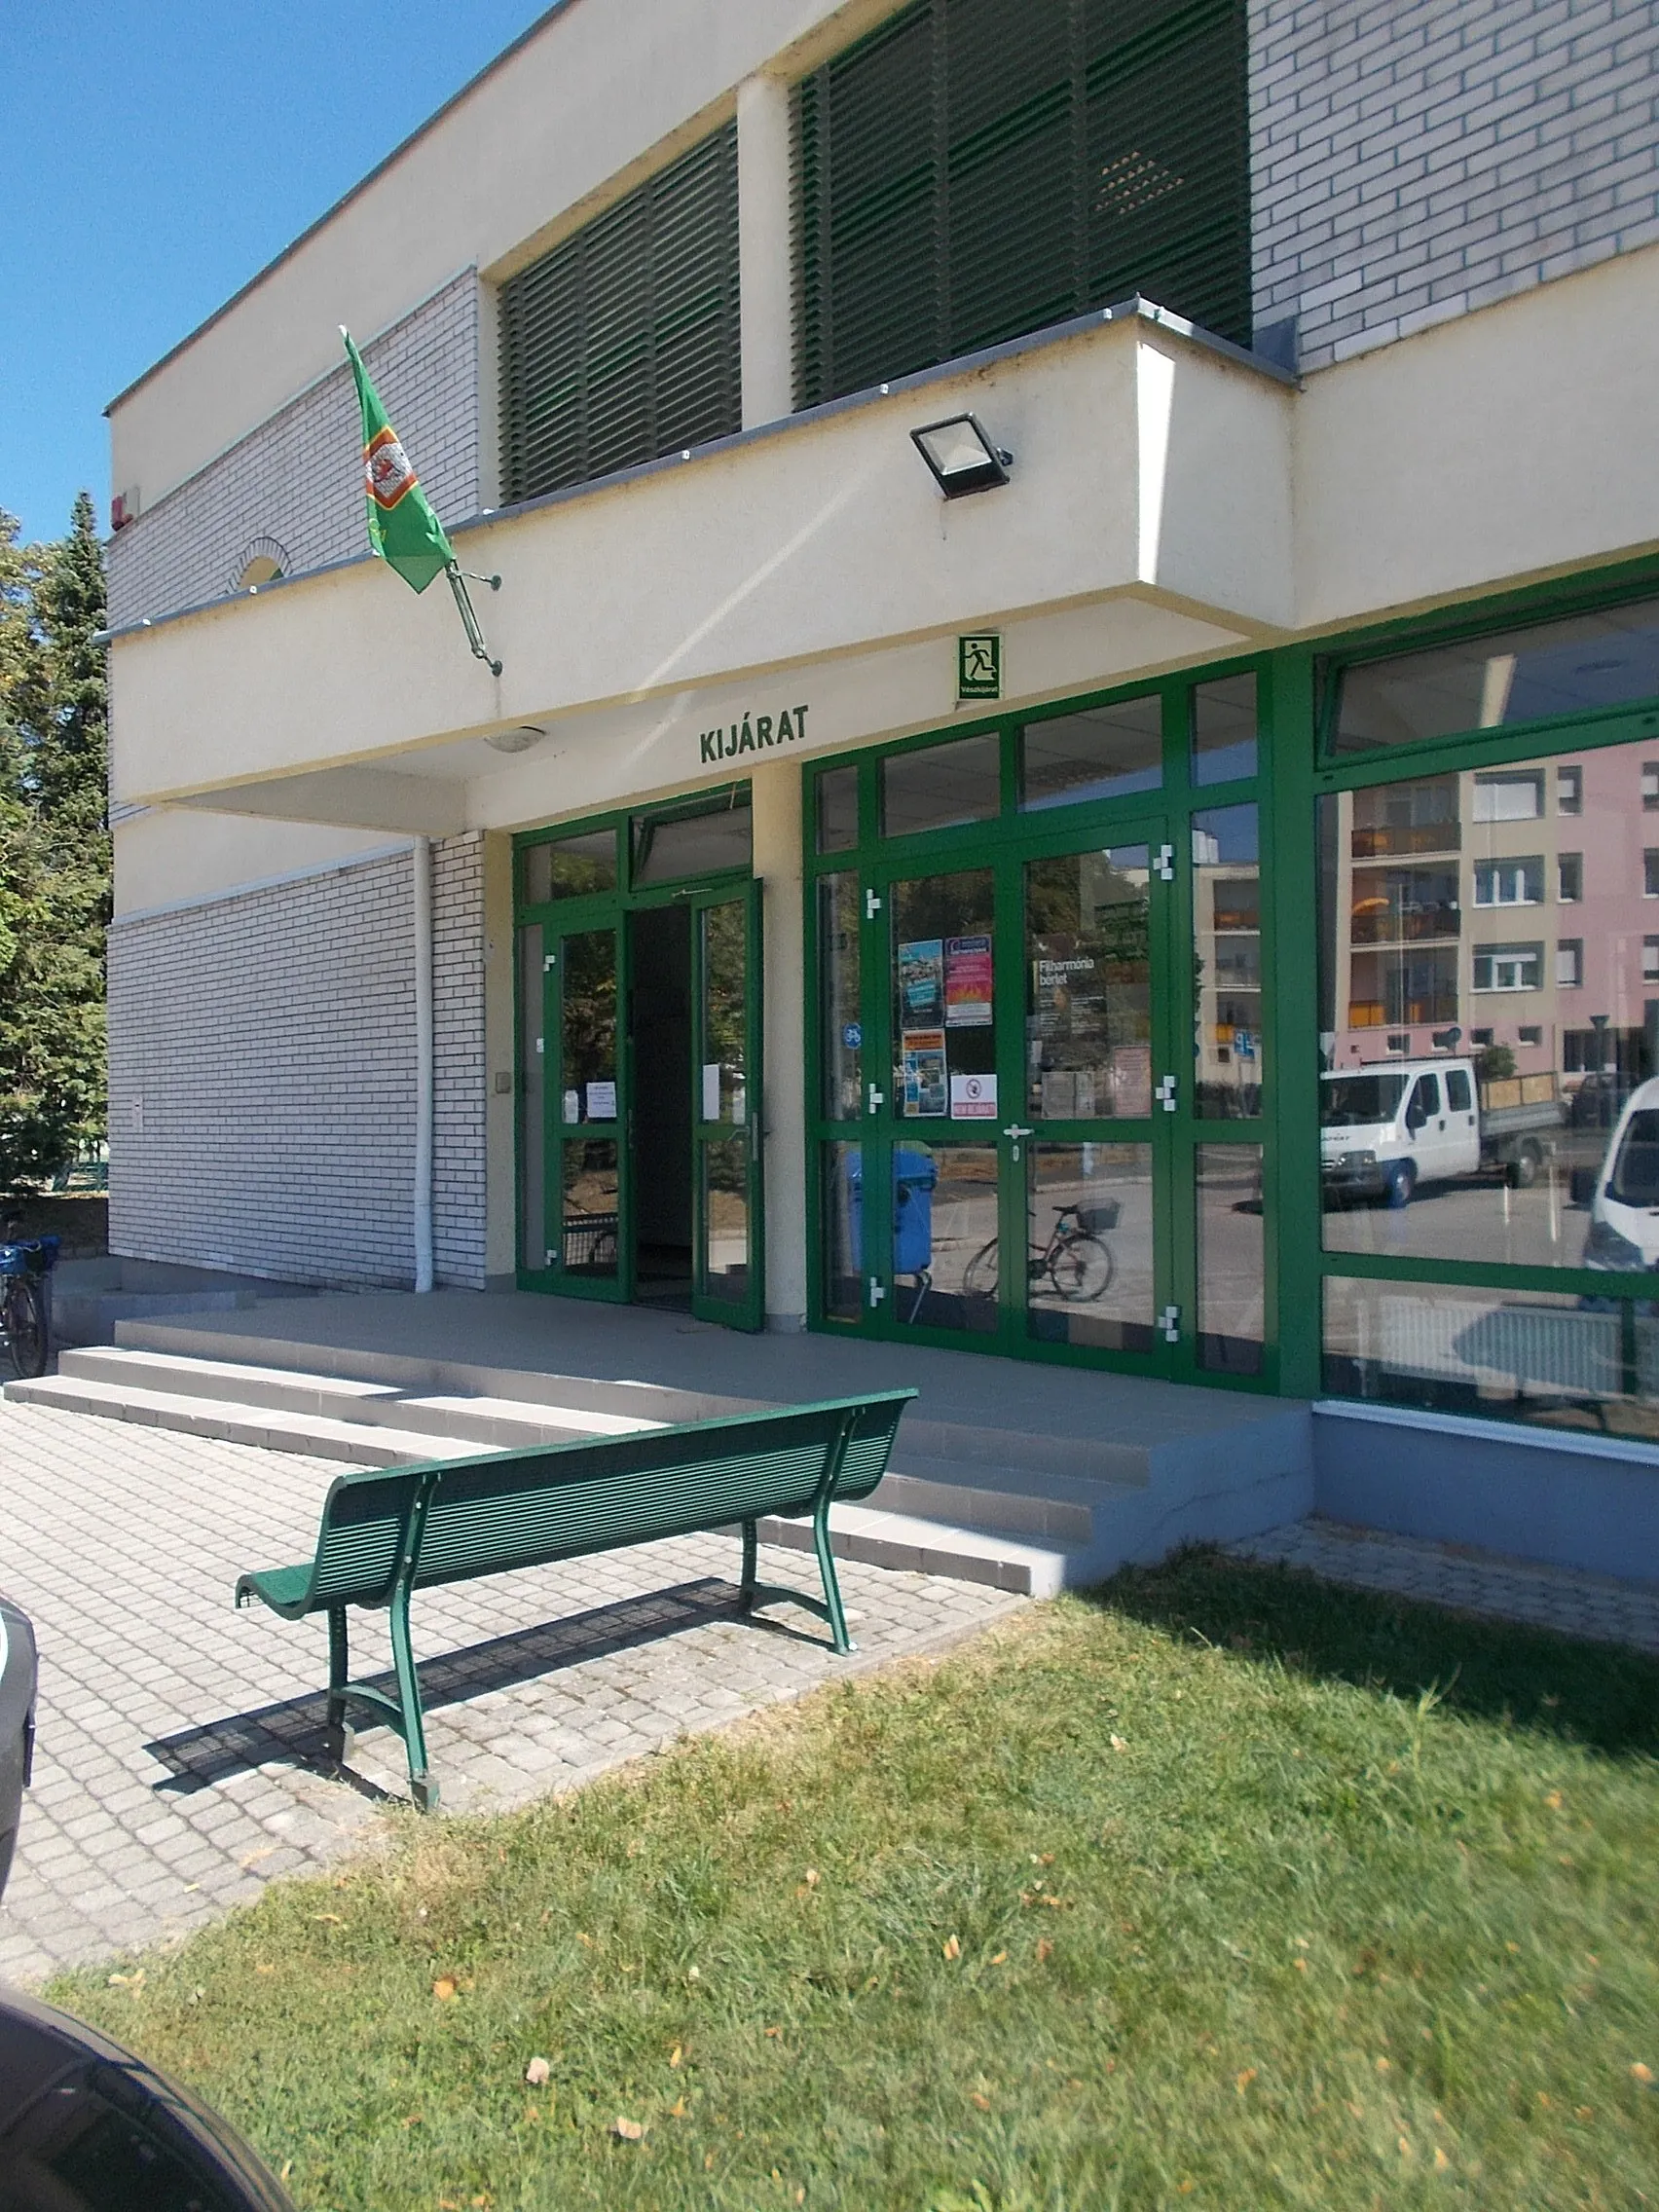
[55, 855]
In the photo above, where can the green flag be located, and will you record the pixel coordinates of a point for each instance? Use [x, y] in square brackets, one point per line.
[403, 529]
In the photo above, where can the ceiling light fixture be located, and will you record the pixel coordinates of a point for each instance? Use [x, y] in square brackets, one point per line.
[961, 457]
[518, 740]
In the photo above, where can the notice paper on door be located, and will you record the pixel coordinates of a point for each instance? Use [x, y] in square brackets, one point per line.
[711, 1091]
[968, 982]
[601, 1102]
[921, 981]
[973, 1098]
[923, 1063]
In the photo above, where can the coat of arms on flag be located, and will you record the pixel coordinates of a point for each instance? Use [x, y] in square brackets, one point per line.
[404, 529]
[388, 470]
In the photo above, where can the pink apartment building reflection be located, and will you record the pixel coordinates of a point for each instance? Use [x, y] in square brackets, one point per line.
[1514, 908]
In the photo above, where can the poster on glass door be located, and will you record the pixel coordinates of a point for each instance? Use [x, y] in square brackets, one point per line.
[922, 1068]
[968, 982]
[921, 982]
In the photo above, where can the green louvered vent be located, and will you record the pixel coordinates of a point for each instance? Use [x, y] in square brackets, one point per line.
[979, 168]
[622, 343]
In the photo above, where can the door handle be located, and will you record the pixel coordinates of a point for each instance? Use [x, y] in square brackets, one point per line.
[1169, 1321]
[1163, 863]
[877, 1100]
[1017, 1133]
[877, 1291]
[1166, 1094]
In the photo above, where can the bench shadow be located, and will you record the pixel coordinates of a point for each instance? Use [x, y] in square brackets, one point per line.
[1603, 1696]
[292, 1732]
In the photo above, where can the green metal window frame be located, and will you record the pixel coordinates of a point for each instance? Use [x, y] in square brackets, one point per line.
[593, 910]
[1468, 751]
[1295, 770]
[1006, 841]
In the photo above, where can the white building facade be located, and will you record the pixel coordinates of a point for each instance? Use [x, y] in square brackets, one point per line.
[863, 909]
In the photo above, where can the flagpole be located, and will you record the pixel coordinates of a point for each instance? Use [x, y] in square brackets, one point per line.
[468, 618]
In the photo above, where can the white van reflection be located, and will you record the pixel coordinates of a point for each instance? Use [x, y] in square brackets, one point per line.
[1624, 1210]
[1386, 1129]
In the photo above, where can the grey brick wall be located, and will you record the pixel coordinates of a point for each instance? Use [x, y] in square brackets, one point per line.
[458, 1052]
[261, 1077]
[298, 478]
[1413, 161]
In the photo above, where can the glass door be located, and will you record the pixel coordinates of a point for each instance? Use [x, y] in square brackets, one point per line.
[589, 1251]
[1097, 1100]
[728, 1257]
[942, 1187]
[1019, 1171]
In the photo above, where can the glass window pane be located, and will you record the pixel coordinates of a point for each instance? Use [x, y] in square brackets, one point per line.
[843, 1246]
[1088, 988]
[843, 1031]
[1226, 952]
[725, 1219]
[723, 1036]
[1224, 729]
[1490, 1009]
[1587, 661]
[589, 1212]
[944, 1236]
[569, 867]
[837, 801]
[1103, 753]
[667, 849]
[1089, 1264]
[1565, 1362]
[587, 1036]
[946, 1044]
[531, 1103]
[941, 785]
[1231, 1272]
[1508, 795]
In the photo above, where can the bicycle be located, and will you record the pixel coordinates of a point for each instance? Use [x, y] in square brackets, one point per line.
[1076, 1259]
[25, 1313]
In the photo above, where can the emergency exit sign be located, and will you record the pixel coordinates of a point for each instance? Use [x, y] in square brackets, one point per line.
[979, 665]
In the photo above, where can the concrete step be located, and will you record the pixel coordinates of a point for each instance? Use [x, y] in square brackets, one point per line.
[876, 1536]
[320, 1436]
[1043, 1454]
[415, 1376]
[904, 1542]
[973, 1494]
[1016, 1500]
[500, 1422]
[976, 1455]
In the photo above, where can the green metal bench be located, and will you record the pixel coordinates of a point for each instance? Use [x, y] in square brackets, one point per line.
[385, 1534]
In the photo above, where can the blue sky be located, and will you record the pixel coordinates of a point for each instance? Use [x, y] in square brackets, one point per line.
[158, 153]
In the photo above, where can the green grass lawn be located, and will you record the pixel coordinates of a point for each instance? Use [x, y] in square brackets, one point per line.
[1223, 1889]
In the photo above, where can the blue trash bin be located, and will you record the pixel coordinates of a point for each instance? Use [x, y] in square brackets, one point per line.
[914, 1175]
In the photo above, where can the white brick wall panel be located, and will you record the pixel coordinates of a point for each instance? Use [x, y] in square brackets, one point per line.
[1461, 148]
[298, 478]
[262, 1078]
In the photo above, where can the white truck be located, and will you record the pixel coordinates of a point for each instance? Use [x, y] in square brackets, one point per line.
[1388, 1127]
[1623, 1193]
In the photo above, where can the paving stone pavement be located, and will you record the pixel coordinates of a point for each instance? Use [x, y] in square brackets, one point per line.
[178, 1765]
[1593, 1606]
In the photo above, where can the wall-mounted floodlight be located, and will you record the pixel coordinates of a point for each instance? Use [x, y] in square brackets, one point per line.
[961, 457]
